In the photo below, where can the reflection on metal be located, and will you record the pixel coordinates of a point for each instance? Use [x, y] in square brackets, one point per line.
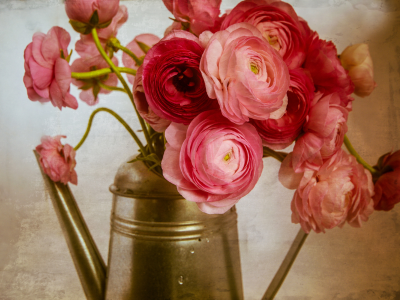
[161, 246]
[287, 263]
[87, 259]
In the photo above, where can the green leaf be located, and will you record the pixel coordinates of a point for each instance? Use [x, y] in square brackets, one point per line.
[143, 46]
[104, 25]
[81, 27]
[94, 19]
[96, 90]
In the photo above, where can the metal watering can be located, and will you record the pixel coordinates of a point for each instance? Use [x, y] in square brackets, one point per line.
[162, 247]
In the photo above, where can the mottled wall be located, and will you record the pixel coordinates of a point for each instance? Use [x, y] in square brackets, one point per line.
[344, 263]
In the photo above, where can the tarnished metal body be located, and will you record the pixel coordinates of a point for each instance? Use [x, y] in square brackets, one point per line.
[162, 247]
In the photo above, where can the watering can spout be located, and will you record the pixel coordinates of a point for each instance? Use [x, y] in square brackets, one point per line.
[87, 259]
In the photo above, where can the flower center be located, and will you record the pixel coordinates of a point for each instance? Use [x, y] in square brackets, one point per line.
[254, 68]
[185, 80]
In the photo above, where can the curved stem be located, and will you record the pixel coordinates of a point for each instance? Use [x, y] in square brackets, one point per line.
[357, 156]
[278, 155]
[101, 72]
[137, 60]
[110, 88]
[128, 90]
[115, 115]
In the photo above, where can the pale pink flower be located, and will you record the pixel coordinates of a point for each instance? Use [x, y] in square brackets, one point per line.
[357, 60]
[157, 123]
[244, 73]
[387, 185]
[82, 10]
[47, 75]
[200, 14]
[145, 38]
[90, 87]
[172, 81]
[279, 25]
[324, 132]
[57, 160]
[213, 161]
[339, 191]
[86, 47]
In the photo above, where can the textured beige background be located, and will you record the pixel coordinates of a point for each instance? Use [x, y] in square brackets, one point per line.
[348, 263]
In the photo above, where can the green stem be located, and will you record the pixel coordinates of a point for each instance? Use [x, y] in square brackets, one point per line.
[115, 115]
[128, 90]
[357, 156]
[110, 88]
[280, 156]
[101, 72]
[137, 60]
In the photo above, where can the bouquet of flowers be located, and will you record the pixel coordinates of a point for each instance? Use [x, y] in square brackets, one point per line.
[214, 96]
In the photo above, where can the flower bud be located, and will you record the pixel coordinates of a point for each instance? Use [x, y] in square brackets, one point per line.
[357, 60]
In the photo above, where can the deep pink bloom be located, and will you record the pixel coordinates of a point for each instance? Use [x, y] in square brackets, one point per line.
[172, 81]
[280, 133]
[339, 191]
[213, 161]
[324, 132]
[201, 14]
[90, 87]
[82, 10]
[156, 122]
[326, 70]
[86, 47]
[244, 73]
[47, 75]
[145, 38]
[387, 186]
[279, 25]
[57, 160]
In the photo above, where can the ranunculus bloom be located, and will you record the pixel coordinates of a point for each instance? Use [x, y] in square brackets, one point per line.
[86, 47]
[57, 160]
[339, 191]
[280, 133]
[156, 122]
[145, 38]
[213, 161]
[172, 81]
[246, 75]
[278, 23]
[326, 70]
[357, 60]
[47, 75]
[387, 186]
[201, 14]
[324, 132]
[91, 87]
[82, 10]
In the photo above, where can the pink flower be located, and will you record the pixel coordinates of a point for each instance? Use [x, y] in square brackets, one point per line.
[86, 47]
[279, 25]
[324, 132]
[339, 191]
[157, 123]
[246, 75]
[82, 10]
[56, 160]
[92, 87]
[280, 133]
[146, 38]
[212, 161]
[201, 14]
[172, 81]
[47, 75]
[387, 185]
[326, 70]
[357, 60]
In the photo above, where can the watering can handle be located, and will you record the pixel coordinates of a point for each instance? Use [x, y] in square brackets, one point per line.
[87, 259]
